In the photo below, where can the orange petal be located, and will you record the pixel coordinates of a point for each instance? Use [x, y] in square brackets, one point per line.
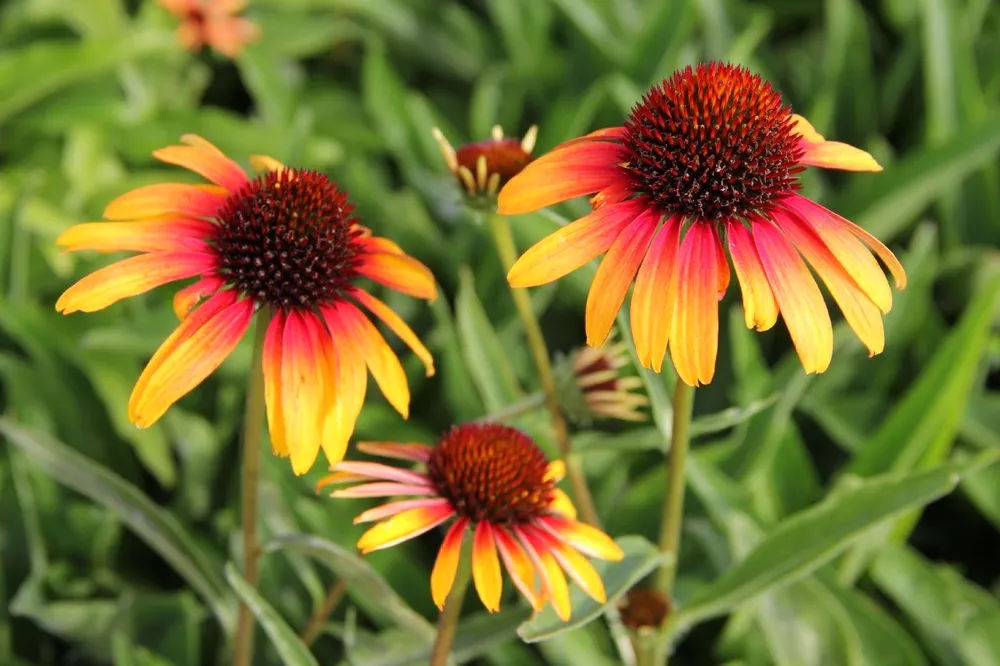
[486, 567]
[131, 277]
[567, 172]
[400, 272]
[347, 365]
[760, 310]
[723, 271]
[830, 154]
[397, 326]
[271, 363]
[583, 537]
[230, 36]
[187, 298]
[654, 294]
[694, 327]
[392, 508]
[798, 297]
[615, 274]
[158, 235]
[573, 246]
[552, 576]
[842, 237]
[167, 199]
[446, 564]
[304, 382]
[190, 354]
[604, 134]
[562, 504]
[403, 526]
[381, 360]
[861, 314]
[580, 570]
[556, 471]
[519, 567]
[263, 164]
[210, 164]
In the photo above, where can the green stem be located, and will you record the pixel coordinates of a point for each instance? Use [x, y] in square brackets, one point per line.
[539, 351]
[253, 421]
[448, 621]
[523, 406]
[673, 506]
[323, 612]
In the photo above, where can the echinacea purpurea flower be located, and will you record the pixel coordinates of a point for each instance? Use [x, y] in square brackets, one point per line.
[707, 161]
[284, 241]
[495, 482]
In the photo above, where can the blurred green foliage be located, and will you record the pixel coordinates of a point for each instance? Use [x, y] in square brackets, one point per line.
[806, 541]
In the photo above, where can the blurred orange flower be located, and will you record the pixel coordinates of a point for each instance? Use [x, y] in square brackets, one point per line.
[213, 23]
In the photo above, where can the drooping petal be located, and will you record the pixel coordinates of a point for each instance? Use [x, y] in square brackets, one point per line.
[229, 36]
[860, 312]
[374, 470]
[397, 326]
[588, 540]
[403, 526]
[694, 327]
[381, 360]
[189, 297]
[798, 297]
[167, 199]
[446, 564]
[519, 567]
[486, 566]
[565, 173]
[400, 272]
[210, 164]
[576, 565]
[760, 310]
[392, 508]
[556, 471]
[573, 246]
[190, 354]
[273, 389]
[653, 297]
[847, 242]
[131, 277]
[548, 569]
[830, 154]
[350, 386]
[615, 274]
[603, 134]
[384, 489]
[302, 388]
[168, 234]
[723, 268]
[415, 451]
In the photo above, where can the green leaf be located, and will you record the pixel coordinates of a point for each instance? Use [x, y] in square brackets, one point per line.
[812, 537]
[366, 586]
[484, 353]
[292, 651]
[959, 621]
[910, 186]
[641, 558]
[157, 527]
[43, 68]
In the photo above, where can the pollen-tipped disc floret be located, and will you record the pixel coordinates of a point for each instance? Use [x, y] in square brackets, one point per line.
[491, 473]
[287, 239]
[711, 142]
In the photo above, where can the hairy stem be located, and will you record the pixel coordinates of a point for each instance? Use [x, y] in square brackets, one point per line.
[448, 621]
[329, 604]
[253, 421]
[539, 351]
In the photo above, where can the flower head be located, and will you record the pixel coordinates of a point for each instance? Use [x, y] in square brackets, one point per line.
[706, 162]
[482, 168]
[591, 384]
[284, 243]
[495, 482]
[213, 23]
[644, 609]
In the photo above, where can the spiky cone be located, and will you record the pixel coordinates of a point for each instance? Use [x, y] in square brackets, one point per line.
[213, 23]
[495, 483]
[284, 240]
[707, 162]
[483, 167]
[592, 385]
